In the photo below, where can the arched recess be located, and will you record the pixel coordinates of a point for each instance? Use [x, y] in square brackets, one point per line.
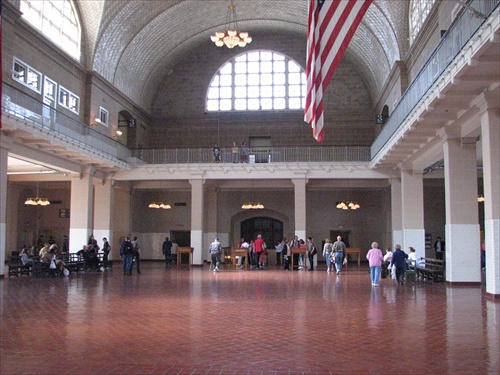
[127, 127]
[385, 114]
[275, 216]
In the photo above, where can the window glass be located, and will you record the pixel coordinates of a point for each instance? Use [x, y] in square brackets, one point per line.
[257, 80]
[25, 74]
[419, 10]
[56, 19]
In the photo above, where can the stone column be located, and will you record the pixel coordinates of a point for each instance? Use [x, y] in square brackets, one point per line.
[490, 136]
[211, 231]
[197, 214]
[3, 206]
[81, 209]
[103, 211]
[412, 211]
[396, 215]
[300, 209]
[462, 226]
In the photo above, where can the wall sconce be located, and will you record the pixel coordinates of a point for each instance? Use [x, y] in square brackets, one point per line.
[118, 133]
[96, 122]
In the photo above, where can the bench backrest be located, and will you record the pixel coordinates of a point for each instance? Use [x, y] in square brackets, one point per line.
[433, 263]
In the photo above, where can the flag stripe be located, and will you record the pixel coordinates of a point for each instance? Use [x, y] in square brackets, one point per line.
[331, 26]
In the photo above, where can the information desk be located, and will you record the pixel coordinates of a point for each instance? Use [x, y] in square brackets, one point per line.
[184, 250]
[355, 251]
[297, 250]
[237, 253]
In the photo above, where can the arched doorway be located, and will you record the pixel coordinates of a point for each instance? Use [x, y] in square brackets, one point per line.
[270, 229]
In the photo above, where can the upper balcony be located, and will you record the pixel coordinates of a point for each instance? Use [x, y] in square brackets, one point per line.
[464, 65]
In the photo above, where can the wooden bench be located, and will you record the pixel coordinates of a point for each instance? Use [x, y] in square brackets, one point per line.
[74, 262]
[16, 268]
[430, 269]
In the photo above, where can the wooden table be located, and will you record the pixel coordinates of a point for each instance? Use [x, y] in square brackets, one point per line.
[357, 252]
[184, 250]
[298, 250]
[239, 252]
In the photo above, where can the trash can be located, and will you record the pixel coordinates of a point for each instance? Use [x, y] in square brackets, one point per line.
[251, 159]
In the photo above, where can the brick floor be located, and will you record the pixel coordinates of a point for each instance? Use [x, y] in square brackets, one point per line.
[192, 321]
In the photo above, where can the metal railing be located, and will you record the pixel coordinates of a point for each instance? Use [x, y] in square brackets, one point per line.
[316, 154]
[49, 120]
[448, 48]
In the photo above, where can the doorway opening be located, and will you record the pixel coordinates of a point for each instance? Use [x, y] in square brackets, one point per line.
[270, 229]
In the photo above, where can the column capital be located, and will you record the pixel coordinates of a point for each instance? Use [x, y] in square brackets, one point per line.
[448, 133]
[408, 168]
[299, 180]
[487, 101]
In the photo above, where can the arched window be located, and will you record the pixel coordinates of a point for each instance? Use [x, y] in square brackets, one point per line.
[419, 9]
[57, 20]
[258, 80]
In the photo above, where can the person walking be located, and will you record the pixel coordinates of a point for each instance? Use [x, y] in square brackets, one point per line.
[260, 248]
[215, 251]
[216, 150]
[106, 248]
[295, 244]
[244, 152]
[286, 254]
[137, 254]
[399, 262]
[375, 260]
[127, 254]
[279, 253]
[166, 248]
[235, 153]
[327, 253]
[311, 252]
[439, 248]
[339, 251]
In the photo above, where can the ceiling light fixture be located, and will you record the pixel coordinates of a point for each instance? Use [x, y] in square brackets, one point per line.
[160, 205]
[37, 201]
[232, 37]
[347, 204]
[252, 205]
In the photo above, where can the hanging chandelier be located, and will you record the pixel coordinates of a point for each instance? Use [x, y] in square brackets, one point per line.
[252, 205]
[37, 201]
[160, 205]
[232, 37]
[347, 205]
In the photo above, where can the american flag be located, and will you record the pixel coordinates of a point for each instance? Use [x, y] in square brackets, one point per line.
[331, 26]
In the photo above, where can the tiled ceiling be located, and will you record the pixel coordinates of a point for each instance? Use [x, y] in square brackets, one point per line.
[133, 43]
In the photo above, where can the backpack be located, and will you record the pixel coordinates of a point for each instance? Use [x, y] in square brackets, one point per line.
[127, 247]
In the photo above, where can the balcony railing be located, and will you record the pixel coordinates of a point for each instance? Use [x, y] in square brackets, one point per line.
[317, 154]
[448, 48]
[48, 119]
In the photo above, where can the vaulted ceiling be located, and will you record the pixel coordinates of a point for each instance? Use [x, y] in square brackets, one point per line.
[132, 43]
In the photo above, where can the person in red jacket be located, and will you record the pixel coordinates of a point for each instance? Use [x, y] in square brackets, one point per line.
[260, 251]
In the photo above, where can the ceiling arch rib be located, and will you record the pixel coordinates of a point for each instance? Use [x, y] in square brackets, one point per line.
[138, 45]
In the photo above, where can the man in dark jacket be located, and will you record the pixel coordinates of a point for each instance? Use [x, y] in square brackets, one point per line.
[167, 250]
[127, 254]
[399, 261]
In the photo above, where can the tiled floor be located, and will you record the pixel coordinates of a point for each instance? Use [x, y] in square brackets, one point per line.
[184, 321]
